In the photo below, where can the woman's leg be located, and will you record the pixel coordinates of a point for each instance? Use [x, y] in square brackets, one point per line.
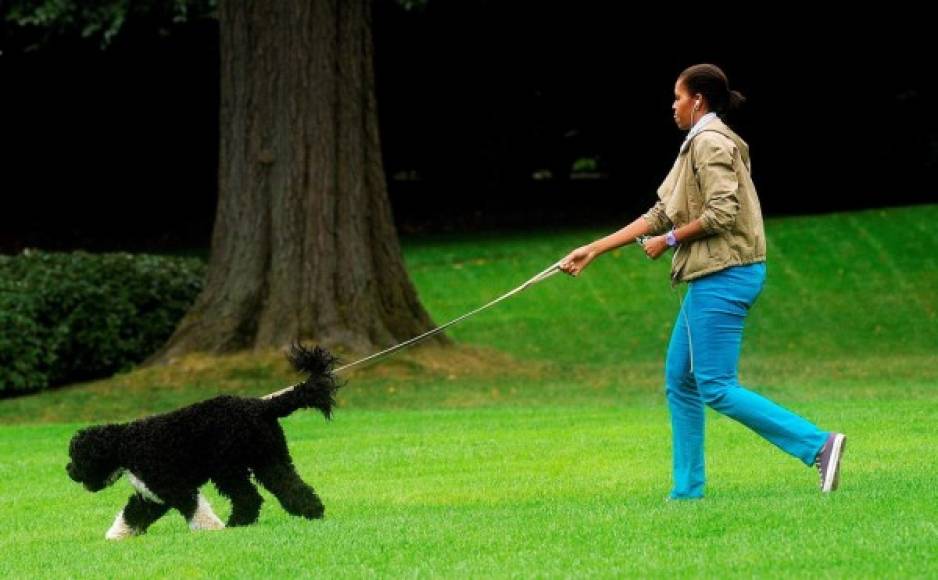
[716, 308]
[687, 417]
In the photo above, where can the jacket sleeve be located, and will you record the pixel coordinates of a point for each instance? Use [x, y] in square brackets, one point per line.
[718, 182]
[657, 218]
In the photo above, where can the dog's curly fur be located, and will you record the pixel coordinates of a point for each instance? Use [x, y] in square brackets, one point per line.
[226, 440]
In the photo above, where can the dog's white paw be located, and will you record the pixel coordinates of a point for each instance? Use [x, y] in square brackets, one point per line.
[119, 529]
[204, 518]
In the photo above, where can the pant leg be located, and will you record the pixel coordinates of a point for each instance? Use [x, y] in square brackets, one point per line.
[717, 308]
[687, 417]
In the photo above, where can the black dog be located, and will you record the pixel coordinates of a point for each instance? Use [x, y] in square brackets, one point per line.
[226, 440]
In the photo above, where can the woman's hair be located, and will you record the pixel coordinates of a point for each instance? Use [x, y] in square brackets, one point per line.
[710, 81]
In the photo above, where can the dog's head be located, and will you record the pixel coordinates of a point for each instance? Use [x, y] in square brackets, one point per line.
[93, 454]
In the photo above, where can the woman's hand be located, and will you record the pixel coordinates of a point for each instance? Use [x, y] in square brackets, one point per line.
[655, 246]
[577, 260]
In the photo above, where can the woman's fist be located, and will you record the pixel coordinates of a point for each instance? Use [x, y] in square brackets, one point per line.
[575, 261]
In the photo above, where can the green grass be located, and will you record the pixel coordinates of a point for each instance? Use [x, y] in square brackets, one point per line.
[540, 446]
[552, 491]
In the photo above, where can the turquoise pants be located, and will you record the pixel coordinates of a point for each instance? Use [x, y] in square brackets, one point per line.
[715, 309]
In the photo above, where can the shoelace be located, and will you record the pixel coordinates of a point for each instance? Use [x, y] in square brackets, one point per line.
[817, 463]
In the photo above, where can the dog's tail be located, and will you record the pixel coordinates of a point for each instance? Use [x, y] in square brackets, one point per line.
[317, 391]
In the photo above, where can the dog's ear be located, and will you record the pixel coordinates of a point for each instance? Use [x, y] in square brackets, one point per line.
[97, 440]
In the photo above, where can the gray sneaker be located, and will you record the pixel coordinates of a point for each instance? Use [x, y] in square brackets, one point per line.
[828, 461]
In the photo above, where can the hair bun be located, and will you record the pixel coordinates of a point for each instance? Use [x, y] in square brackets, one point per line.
[736, 99]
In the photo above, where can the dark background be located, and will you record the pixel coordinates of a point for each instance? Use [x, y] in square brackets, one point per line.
[118, 149]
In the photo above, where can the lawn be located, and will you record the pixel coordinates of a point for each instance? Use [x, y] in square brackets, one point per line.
[539, 445]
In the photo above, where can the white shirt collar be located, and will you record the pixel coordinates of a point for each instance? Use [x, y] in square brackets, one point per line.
[697, 128]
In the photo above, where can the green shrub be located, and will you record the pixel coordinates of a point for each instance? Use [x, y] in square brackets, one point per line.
[67, 317]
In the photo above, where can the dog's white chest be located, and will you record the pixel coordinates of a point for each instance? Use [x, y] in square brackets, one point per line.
[142, 488]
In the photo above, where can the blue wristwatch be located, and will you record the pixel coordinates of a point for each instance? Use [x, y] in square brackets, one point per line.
[671, 239]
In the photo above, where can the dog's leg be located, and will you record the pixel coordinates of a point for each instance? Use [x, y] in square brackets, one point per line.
[204, 518]
[197, 511]
[298, 498]
[135, 518]
[140, 513]
[120, 530]
[245, 501]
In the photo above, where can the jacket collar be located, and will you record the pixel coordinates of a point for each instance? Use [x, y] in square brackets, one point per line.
[697, 128]
[719, 126]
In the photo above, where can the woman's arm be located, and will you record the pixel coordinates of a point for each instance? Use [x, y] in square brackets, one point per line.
[579, 258]
[659, 244]
[720, 185]
[622, 237]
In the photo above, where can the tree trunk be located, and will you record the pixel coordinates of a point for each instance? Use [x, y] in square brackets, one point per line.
[304, 244]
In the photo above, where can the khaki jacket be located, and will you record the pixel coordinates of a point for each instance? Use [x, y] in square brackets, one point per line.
[719, 191]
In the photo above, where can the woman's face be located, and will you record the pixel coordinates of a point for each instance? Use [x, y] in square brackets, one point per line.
[684, 107]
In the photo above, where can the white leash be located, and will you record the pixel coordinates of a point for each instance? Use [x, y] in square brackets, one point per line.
[547, 273]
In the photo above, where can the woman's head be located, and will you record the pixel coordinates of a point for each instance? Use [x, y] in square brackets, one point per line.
[700, 89]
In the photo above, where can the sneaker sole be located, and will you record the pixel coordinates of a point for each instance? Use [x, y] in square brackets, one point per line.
[832, 480]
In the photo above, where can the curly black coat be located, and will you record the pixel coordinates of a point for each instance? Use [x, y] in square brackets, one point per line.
[225, 439]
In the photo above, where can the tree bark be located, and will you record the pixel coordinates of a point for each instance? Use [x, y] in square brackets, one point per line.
[304, 244]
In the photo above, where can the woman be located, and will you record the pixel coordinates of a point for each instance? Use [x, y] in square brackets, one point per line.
[708, 211]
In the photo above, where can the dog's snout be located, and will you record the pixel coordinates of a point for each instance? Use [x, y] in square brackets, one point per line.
[70, 469]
